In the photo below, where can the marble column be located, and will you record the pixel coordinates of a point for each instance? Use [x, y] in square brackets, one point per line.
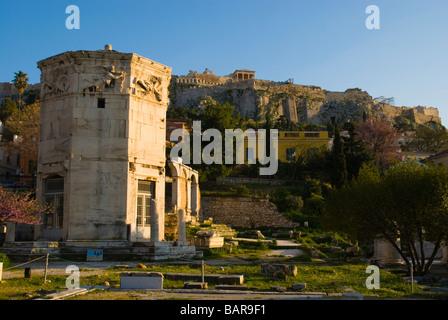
[445, 254]
[154, 221]
[384, 252]
[182, 228]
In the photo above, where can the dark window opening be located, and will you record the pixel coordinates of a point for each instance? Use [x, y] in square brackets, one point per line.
[101, 103]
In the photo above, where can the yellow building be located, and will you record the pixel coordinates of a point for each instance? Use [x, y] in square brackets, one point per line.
[440, 158]
[293, 143]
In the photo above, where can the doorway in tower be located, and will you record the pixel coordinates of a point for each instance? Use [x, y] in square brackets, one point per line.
[145, 192]
[53, 221]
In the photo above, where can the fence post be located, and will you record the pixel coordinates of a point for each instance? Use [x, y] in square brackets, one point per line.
[46, 266]
[202, 272]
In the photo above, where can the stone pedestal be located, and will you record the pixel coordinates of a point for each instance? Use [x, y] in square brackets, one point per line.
[385, 253]
[445, 254]
[141, 280]
[10, 236]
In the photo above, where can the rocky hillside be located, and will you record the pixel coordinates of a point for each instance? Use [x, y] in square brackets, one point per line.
[298, 103]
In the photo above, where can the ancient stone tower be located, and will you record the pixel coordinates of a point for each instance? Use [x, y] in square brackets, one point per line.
[102, 147]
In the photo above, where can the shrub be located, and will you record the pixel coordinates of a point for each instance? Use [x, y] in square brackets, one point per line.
[313, 186]
[285, 201]
[314, 205]
[259, 245]
[6, 262]
[242, 190]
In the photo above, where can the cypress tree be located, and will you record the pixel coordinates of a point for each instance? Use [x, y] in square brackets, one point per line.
[338, 166]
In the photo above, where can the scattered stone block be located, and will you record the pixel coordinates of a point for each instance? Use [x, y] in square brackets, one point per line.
[253, 234]
[352, 296]
[439, 289]
[278, 288]
[208, 239]
[141, 280]
[441, 281]
[295, 234]
[352, 251]
[231, 279]
[347, 289]
[278, 269]
[314, 253]
[298, 286]
[195, 285]
[408, 280]
[231, 287]
[211, 278]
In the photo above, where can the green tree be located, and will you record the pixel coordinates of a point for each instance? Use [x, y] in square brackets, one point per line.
[219, 116]
[7, 108]
[428, 139]
[410, 202]
[338, 166]
[355, 150]
[25, 125]
[20, 82]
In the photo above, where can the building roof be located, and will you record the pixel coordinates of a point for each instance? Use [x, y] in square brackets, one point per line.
[439, 154]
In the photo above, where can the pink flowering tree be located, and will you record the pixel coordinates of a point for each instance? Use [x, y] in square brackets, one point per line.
[20, 208]
[381, 138]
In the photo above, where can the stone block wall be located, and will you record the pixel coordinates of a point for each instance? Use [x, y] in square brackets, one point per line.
[243, 212]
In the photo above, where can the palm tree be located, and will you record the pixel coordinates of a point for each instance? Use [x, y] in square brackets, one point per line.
[20, 82]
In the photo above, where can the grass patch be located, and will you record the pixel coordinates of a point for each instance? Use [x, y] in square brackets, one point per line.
[329, 278]
[254, 190]
[21, 288]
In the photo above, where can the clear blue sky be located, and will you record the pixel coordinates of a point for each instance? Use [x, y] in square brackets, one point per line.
[316, 42]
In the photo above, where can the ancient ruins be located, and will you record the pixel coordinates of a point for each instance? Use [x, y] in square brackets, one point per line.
[102, 158]
[298, 103]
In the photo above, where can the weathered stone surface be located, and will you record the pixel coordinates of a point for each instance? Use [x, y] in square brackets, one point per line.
[232, 287]
[231, 279]
[314, 253]
[352, 296]
[141, 280]
[278, 288]
[253, 234]
[195, 285]
[210, 278]
[298, 103]
[243, 212]
[298, 286]
[97, 115]
[277, 269]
